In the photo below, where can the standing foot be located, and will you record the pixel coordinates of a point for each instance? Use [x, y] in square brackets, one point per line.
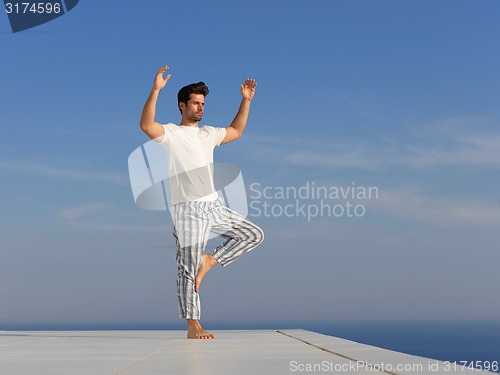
[207, 262]
[196, 331]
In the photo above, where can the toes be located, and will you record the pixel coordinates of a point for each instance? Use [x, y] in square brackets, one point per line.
[201, 335]
[205, 335]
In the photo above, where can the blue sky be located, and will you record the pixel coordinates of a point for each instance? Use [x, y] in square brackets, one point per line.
[398, 95]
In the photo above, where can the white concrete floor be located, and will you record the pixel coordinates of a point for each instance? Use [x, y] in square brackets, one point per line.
[169, 352]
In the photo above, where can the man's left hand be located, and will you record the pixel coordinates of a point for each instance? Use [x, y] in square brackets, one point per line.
[248, 88]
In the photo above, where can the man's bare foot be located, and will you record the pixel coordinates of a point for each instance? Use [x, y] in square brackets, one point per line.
[195, 331]
[207, 262]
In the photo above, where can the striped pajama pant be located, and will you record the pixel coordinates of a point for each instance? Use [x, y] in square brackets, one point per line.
[193, 222]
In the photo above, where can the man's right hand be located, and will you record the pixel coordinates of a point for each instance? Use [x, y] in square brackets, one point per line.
[160, 82]
[153, 129]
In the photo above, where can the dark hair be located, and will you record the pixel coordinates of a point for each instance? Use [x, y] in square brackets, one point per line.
[193, 88]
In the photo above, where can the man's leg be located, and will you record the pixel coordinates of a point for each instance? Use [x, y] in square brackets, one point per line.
[207, 263]
[191, 229]
[240, 234]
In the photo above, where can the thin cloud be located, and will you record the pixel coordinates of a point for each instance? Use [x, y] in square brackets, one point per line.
[76, 213]
[438, 211]
[409, 203]
[446, 143]
[28, 167]
[101, 216]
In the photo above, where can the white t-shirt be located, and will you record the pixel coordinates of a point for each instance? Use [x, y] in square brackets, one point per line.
[190, 161]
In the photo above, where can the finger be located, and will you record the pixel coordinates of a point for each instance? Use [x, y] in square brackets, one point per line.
[162, 69]
[250, 82]
[167, 77]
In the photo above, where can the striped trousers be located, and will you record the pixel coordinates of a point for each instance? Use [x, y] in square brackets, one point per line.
[193, 222]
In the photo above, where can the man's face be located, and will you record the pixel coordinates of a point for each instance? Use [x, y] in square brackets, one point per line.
[193, 111]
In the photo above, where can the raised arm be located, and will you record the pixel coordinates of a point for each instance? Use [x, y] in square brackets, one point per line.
[237, 126]
[148, 124]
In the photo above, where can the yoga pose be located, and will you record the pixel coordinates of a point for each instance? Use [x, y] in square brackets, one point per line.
[198, 210]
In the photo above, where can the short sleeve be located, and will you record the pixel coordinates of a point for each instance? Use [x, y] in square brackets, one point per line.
[169, 129]
[216, 134]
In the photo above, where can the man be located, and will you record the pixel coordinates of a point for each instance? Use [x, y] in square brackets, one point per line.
[197, 208]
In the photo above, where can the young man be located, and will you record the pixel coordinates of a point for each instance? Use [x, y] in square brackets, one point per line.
[197, 208]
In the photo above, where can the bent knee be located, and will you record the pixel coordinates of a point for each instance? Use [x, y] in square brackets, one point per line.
[259, 235]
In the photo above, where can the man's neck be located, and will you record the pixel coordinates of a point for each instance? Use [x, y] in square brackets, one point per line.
[188, 123]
